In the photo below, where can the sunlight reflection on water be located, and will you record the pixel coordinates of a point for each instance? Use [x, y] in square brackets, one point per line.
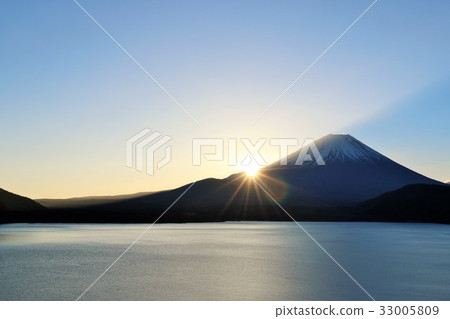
[225, 261]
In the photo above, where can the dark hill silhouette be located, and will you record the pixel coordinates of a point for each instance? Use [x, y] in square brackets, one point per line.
[353, 174]
[425, 203]
[412, 203]
[86, 201]
[11, 202]
[17, 208]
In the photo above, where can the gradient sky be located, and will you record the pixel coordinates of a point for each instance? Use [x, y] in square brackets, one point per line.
[70, 98]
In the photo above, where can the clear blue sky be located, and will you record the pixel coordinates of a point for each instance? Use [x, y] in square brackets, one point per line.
[69, 97]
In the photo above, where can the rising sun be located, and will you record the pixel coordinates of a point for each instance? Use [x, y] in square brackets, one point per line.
[251, 169]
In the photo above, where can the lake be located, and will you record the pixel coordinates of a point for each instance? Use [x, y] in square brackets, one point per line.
[225, 261]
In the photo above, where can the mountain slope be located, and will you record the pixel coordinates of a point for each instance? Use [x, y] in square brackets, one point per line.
[418, 202]
[85, 201]
[17, 208]
[339, 148]
[353, 173]
[412, 203]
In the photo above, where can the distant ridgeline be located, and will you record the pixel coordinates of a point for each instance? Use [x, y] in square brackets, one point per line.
[356, 184]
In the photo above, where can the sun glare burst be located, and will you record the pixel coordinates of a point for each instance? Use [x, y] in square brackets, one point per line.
[251, 169]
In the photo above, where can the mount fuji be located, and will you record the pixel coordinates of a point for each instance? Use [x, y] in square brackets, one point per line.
[353, 172]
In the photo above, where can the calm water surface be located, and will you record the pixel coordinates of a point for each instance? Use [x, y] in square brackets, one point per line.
[225, 261]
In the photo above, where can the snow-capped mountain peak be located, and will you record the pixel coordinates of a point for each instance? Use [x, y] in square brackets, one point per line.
[344, 147]
[339, 148]
[352, 172]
